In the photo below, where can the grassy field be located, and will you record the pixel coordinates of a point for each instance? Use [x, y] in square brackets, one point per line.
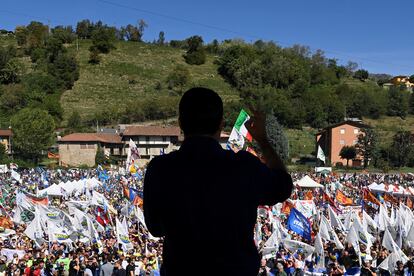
[130, 73]
[388, 126]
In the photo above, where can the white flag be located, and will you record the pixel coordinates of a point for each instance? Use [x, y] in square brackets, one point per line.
[321, 154]
[294, 246]
[34, 231]
[389, 243]
[123, 235]
[132, 155]
[409, 240]
[369, 224]
[335, 221]
[328, 233]
[16, 176]
[319, 250]
[383, 219]
[352, 238]
[388, 264]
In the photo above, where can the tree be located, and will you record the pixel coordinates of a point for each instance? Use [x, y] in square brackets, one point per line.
[131, 33]
[402, 148]
[37, 34]
[21, 35]
[411, 103]
[178, 78]
[361, 74]
[161, 38]
[74, 121]
[3, 153]
[94, 57]
[65, 69]
[103, 39]
[366, 144]
[64, 33]
[141, 27]
[100, 157]
[411, 78]
[11, 72]
[348, 153]
[397, 102]
[33, 132]
[277, 137]
[196, 54]
[83, 29]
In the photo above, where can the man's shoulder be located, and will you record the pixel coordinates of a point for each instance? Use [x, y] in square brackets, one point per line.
[164, 159]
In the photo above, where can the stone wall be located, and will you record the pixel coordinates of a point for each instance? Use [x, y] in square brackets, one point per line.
[75, 154]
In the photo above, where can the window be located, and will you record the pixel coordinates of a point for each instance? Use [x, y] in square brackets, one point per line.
[91, 146]
[147, 138]
[342, 131]
[83, 146]
[356, 131]
[164, 139]
[342, 142]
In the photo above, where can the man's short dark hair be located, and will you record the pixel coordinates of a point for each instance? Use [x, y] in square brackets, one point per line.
[200, 111]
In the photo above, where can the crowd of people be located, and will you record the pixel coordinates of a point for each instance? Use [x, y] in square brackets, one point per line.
[104, 255]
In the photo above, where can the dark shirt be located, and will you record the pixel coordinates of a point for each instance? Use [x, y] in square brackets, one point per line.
[204, 200]
[119, 272]
[130, 268]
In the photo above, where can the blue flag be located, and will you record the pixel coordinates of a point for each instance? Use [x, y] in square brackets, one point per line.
[299, 224]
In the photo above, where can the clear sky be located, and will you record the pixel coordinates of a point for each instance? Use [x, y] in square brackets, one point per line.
[378, 35]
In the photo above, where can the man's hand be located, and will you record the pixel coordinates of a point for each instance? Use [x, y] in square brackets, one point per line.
[256, 126]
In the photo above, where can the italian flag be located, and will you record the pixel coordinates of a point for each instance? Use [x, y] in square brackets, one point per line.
[239, 132]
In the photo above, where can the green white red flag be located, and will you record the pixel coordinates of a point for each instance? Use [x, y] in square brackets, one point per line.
[239, 133]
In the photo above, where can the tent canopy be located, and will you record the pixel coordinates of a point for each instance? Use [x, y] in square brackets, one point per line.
[307, 182]
[53, 190]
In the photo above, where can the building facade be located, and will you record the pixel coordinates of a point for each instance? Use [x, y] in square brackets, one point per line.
[333, 138]
[79, 149]
[5, 139]
[150, 140]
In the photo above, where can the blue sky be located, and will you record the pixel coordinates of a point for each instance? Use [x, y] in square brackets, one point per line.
[378, 35]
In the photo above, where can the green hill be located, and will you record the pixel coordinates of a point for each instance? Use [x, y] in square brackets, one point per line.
[131, 73]
[136, 73]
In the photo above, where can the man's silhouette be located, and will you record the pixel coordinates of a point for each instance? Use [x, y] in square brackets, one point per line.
[204, 199]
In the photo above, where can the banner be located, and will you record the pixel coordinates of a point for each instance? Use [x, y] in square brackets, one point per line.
[52, 155]
[306, 207]
[299, 224]
[391, 199]
[368, 196]
[343, 199]
[132, 155]
[10, 252]
[287, 206]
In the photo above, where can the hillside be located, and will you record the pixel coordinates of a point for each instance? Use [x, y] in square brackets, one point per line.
[130, 73]
[137, 72]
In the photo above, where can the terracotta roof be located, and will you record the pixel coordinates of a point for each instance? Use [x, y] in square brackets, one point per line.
[151, 131]
[6, 132]
[92, 137]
